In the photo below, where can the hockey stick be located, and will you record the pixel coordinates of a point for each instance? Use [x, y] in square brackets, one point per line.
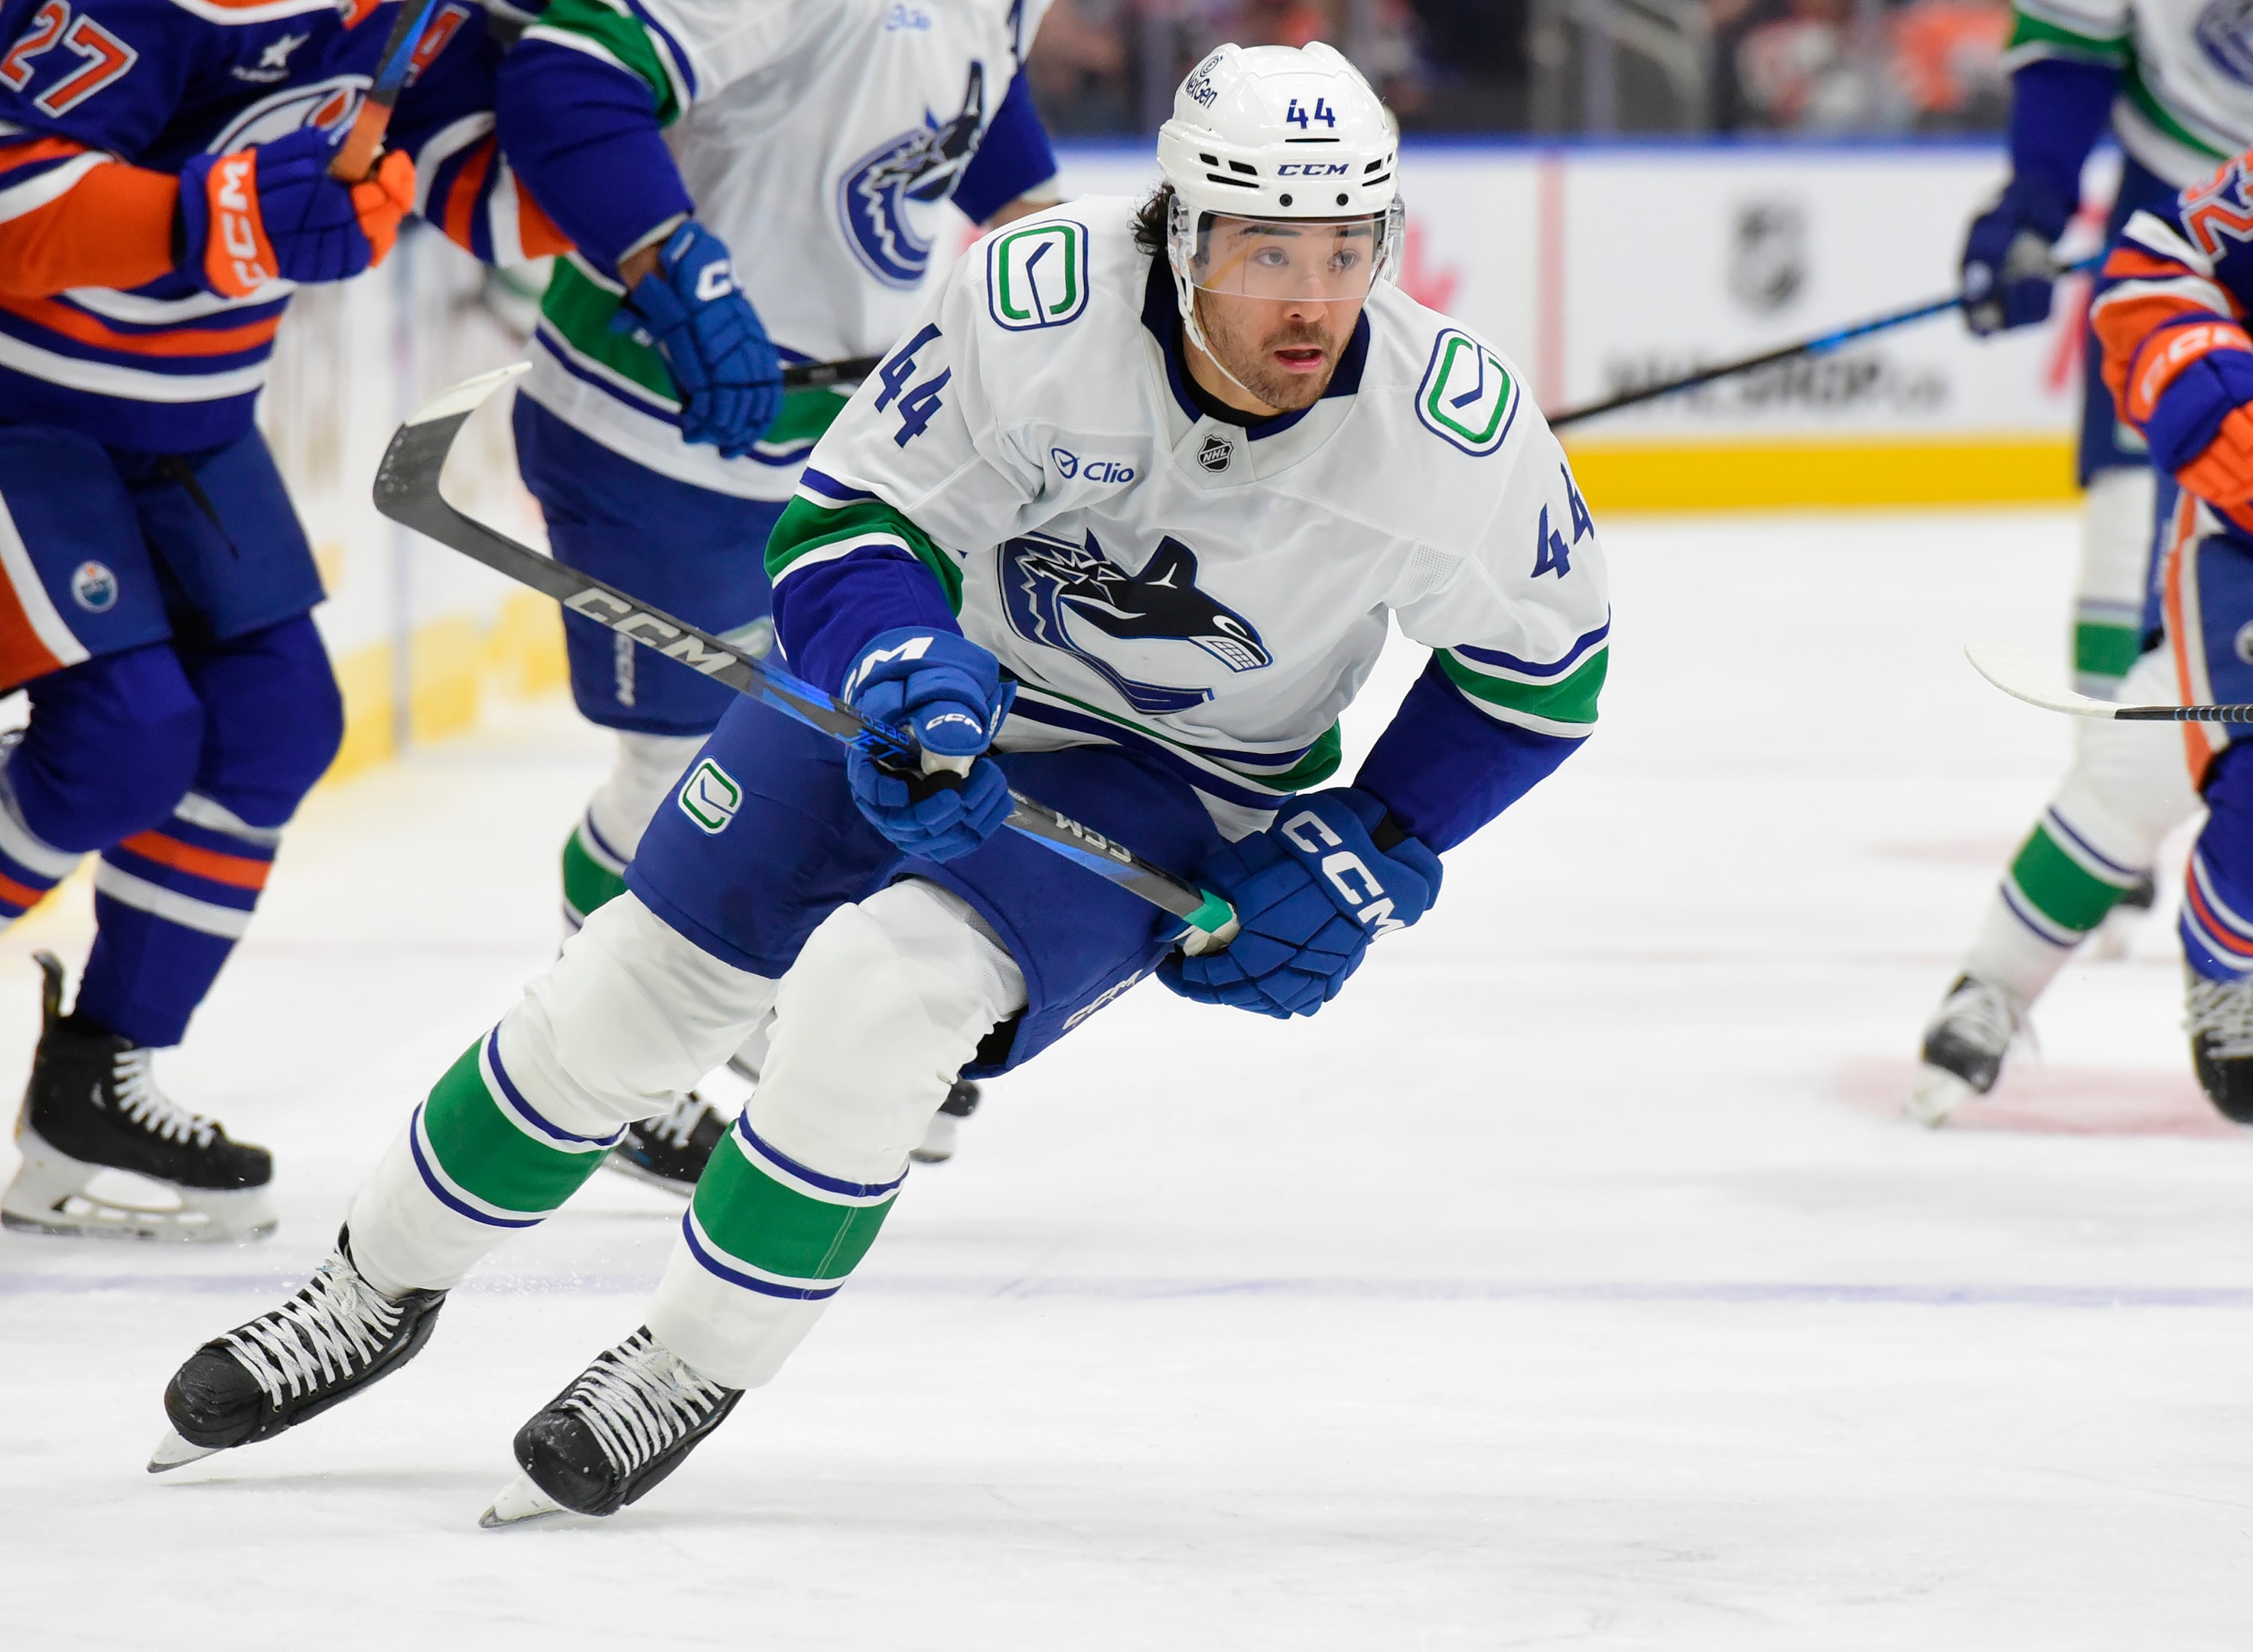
[2026, 676]
[355, 161]
[1821, 344]
[816, 375]
[407, 490]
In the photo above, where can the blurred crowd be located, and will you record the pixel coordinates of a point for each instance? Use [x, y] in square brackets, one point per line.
[1521, 66]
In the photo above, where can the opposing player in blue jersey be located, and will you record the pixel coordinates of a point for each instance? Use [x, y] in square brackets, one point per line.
[165, 186]
[742, 194]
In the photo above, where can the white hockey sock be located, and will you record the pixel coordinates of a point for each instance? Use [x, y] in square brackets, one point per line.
[883, 1009]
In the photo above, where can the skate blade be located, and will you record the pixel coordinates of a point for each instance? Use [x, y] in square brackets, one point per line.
[520, 1501]
[1936, 1094]
[56, 1195]
[173, 1452]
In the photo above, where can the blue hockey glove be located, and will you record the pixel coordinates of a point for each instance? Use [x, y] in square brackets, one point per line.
[273, 212]
[1312, 891]
[946, 693]
[690, 308]
[2007, 270]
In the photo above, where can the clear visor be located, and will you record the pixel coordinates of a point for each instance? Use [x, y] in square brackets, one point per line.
[1324, 260]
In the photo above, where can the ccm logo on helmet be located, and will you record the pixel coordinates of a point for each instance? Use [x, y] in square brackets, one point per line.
[1312, 169]
[1342, 865]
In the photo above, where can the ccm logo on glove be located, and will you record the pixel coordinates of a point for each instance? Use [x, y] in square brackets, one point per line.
[1337, 866]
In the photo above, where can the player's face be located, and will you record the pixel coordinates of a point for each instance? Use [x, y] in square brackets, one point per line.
[1277, 300]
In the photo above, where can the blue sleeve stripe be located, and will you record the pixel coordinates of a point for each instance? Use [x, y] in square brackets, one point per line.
[824, 486]
[680, 63]
[1526, 667]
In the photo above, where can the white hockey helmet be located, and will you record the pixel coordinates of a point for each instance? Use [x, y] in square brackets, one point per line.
[1276, 132]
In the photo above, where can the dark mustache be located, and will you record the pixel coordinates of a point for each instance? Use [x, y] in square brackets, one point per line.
[1291, 338]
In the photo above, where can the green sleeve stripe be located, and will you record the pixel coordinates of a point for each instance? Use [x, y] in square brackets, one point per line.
[1572, 700]
[2032, 38]
[805, 527]
[621, 38]
[1319, 764]
[2151, 109]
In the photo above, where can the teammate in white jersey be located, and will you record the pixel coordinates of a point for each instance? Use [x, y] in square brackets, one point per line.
[748, 183]
[2174, 80]
[1135, 498]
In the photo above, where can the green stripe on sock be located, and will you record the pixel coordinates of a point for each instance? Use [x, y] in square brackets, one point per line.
[756, 1219]
[587, 882]
[2059, 888]
[488, 1156]
[2105, 650]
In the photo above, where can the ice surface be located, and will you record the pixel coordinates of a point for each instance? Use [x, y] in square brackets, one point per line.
[1568, 1282]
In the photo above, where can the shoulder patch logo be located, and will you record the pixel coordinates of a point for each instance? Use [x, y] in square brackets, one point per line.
[710, 798]
[1038, 277]
[1468, 397]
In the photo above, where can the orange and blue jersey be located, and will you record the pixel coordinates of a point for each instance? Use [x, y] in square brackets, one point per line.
[102, 102]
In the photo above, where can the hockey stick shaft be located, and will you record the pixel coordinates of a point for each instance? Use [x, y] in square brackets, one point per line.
[355, 159]
[407, 490]
[1821, 344]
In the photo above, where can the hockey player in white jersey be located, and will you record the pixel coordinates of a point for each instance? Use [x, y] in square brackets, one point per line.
[747, 186]
[1121, 521]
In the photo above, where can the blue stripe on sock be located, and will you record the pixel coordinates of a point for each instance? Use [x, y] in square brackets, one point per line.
[767, 1150]
[516, 1100]
[438, 1189]
[765, 1287]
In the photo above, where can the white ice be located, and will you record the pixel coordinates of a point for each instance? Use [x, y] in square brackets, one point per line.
[1569, 1282]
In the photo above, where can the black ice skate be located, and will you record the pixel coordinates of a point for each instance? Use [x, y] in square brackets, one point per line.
[1964, 1048]
[938, 1141]
[322, 1346]
[93, 1104]
[2218, 1016]
[671, 1150]
[623, 1424]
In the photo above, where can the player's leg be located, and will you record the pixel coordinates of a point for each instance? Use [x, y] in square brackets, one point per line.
[2209, 592]
[638, 1006]
[691, 552]
[986, 960]
[2088, 857]
[115, 734]
[2118, 503]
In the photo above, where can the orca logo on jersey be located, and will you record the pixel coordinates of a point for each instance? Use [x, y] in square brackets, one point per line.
[1163, 643]
[923, 165]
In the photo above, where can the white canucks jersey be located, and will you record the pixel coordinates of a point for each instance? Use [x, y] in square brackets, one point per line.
[1210, 594]
[2186, 98]
[821, 141]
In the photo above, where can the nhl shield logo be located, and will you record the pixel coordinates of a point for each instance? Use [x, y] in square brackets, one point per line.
[1216, 453]
[94, 587]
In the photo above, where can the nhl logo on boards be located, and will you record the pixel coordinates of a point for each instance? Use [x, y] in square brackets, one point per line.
[94, 587]
[1216, 453]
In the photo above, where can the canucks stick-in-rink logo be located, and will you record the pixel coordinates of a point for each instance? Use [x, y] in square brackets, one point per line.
[923, 165]
[1154, 636]
[2225, 34]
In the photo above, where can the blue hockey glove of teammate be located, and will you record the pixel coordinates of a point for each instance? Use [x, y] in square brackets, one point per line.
[947, 692]
[273, 212]
[2008, 272]
[690, 308]
[1312, 891]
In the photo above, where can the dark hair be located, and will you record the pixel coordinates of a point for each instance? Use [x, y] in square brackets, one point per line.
[1150, 222]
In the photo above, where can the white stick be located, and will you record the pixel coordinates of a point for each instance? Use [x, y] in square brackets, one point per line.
[2026, 676]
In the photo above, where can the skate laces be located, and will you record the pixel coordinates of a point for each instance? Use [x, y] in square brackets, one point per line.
[331, 1329]
[1983, 1015]
[678, 1125]
[638, 1398]
[2223, 1012]
[139, 1100]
